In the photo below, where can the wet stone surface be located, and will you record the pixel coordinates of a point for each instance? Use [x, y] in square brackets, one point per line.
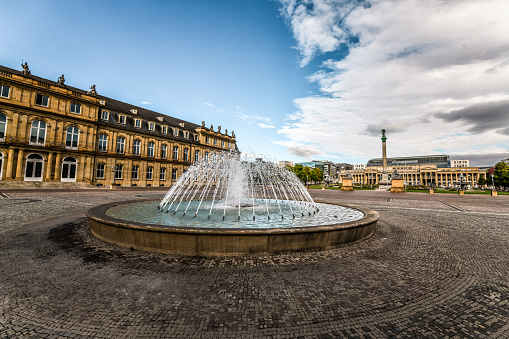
[429, 271]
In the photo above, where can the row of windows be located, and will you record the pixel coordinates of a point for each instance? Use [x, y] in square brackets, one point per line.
[119, 168]
[38, 136]
[105, 115]
[214, 141]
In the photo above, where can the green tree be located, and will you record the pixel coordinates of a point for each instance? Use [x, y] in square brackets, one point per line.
[482, 180]
[316, 175]
[501, 174]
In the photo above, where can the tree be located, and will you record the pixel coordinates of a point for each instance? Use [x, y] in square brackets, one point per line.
[501, 174]
[316, 174]
[482, 180]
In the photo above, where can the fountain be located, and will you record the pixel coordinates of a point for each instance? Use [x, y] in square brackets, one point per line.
[225, 205]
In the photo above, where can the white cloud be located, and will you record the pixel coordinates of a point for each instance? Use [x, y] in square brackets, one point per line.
[213, 106]
[266, 126]
[414, 60]
[146, 102]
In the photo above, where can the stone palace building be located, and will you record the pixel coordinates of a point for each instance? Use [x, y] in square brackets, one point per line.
[52, 132]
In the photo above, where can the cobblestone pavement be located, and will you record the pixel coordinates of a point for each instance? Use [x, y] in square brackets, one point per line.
[437, 267]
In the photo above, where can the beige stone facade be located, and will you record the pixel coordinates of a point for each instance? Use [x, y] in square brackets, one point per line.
[53, 132]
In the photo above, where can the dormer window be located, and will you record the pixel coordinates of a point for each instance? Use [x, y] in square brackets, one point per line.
[165, 129]
[207, 140]
[137, 123]
[176, 132]
[134, 111]
[215, 142]
[186, 134]
[121, 119]
[181, 124]
[105, 115]
[195, 137]
[160, 118]
[102, 102]
[151, 126]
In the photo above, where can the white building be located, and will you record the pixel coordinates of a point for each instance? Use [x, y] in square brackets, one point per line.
[460, 163]
[285, 163]
[359, 167]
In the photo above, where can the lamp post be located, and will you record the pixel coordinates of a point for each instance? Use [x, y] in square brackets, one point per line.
[493, 181]
[461, 181]
[113, 173]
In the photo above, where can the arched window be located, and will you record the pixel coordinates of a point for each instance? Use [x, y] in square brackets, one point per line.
[120, 145]
[72, 136]
[69, 166]
[3, 126]
[196, 155]
[164, 148]
[186, 154]
[206, 156]
[103, 142]
[134, 172]
[38, 132]
[162, 174]
[136, 147]
[33, 168]
[150, 149]
[150, 170]
[175, 152]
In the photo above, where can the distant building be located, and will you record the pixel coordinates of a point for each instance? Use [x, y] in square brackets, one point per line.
[506, 161]
[343, 166]
[359, 166]
[441, 161]
[285, 163]
[460, 163]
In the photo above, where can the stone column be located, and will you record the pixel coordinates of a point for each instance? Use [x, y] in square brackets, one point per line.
[10, 164]
[58, 165]
[19, 166]
[385, 175]
[49, 167]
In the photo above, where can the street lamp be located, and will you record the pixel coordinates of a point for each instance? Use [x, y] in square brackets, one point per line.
[461, 181]
[493, 181]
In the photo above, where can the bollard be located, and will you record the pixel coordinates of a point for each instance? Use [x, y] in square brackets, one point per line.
[494, 193]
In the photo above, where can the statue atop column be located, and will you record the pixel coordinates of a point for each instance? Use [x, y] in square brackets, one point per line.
[26, 70]
[219, 129]
[212, 128]
[226, 131]
[61, 81]
[203, 124]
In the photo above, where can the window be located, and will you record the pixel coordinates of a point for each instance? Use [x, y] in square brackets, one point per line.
[151, 126]
[103, 142]
[175, 152]
[118, 171]
[195, 137]
[137, 123]
[174, 174]
[229, 145]
[75, 108]
[196, 155]
[206, 156]
[121, 119]
[3, 126]
[38, 132]
[41, 100]
[165, 129]
[120, 144]
[150, 149]
[162, 174]
[4, 91]
[149, 173]
[186, 154]
[100, 171]
[163, 151]
[207, 140]
[215, 142]
[186, 134]
[71, 138]
[134, 172]
[136, 147]
[176, 132]
[222, 143]
[105, 115]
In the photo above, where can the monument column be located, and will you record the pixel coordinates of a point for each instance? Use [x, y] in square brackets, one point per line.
[385, 176]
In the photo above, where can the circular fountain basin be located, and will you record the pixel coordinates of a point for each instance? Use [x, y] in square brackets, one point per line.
[210, 237]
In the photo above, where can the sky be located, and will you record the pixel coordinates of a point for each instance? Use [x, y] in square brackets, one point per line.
[296, 80]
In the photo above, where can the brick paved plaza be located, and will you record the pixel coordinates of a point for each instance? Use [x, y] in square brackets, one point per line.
[437, 267]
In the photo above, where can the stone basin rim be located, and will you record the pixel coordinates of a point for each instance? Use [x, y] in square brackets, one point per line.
[98, 214]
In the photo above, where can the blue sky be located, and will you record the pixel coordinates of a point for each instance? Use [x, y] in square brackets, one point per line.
[296, 79]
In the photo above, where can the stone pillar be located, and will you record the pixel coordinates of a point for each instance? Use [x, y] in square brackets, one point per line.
[385, 176]
[10, 164]
[58, 165]
[347, 184]
[19, 166]
[49, 167]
